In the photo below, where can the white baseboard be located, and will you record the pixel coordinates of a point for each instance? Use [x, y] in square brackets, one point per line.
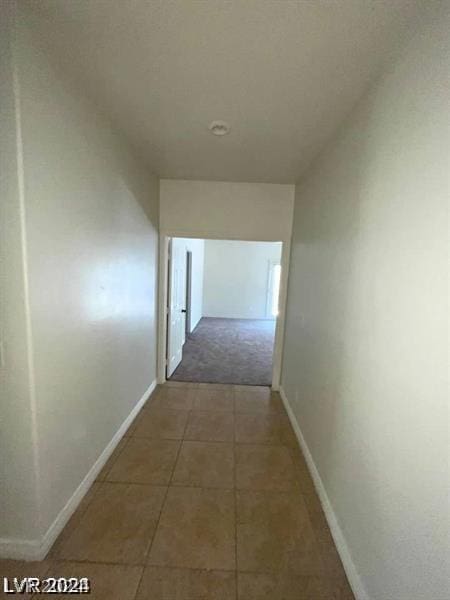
[349, 566]
[37, 549]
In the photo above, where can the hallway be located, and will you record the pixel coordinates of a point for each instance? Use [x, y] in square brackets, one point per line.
[207, 497]
[228, 196]
[234, 351]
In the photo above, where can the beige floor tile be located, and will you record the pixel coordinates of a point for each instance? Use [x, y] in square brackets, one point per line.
[117, 526]
[304, 482]
[107, 582]
[256, 428]
[257, 389]
[145, 461]
[186, 584]
[220, 400]
[205, 464]
[306, 487]
[287, 434]
[340, 590]
[266, 402]
[196, 530]
[260, 467]
[318, 521]
[161, 424]
[209, 426]
[332, 564]
[274, 533]
[183, 384]
[282, 586]
[22, 569]
[173, 398]
[74, 520]
[132, 426]
[284, 545]
[298, 458]
[217, 386]
[111, 460]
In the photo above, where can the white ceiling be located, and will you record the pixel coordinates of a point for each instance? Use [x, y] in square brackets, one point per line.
[282, 73]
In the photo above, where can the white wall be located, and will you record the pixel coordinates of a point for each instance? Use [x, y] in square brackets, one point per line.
[197, 248]
[236, 278]
[18, 494]
[365, 356]
[231, 211]
[90, 226]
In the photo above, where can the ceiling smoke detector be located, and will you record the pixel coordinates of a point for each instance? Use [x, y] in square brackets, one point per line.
[219, 128]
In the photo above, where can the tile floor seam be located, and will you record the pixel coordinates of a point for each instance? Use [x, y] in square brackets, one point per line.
[147, 554]
[211, 442]
[159, 439]
[139, 583]
[272, 571]
[82, 561]
[201, 487]
[137, 483]
[240, 443]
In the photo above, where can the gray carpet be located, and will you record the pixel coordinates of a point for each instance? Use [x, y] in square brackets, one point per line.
[238, 351]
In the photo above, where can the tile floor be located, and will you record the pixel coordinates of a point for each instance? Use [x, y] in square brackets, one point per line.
[207, 497]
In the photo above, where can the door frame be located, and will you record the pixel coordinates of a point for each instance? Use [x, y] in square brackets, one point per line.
[188, 321]
[164, 237]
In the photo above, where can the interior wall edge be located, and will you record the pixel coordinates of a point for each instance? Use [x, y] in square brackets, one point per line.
[20, 163]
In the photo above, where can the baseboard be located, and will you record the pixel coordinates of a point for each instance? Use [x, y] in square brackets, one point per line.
[16, 549]
[37, 549]
[349, 566]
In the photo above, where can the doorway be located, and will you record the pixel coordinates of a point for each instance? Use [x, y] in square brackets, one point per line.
[223, 300]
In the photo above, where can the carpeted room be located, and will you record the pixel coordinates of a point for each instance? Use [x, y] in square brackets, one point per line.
[232, 290]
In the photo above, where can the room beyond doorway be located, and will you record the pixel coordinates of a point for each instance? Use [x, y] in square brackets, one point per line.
[237, 351]
[222, 309]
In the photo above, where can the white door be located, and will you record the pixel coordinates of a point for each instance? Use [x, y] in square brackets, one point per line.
[176, 304]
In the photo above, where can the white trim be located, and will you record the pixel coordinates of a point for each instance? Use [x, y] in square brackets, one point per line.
[282, 304]
[269, 292]
[38, 549]
[208, 234]
[163, 273]
[341, 545]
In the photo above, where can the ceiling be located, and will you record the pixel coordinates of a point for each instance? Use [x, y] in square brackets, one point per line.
[282, 73]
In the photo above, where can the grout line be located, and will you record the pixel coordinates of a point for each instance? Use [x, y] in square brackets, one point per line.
[140, 580]
[147, 553]
[241, 443]
[171, 484]
[98, 562]
[210, 487]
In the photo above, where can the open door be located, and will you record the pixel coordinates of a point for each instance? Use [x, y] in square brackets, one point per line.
[176, 304]
[188, 292]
